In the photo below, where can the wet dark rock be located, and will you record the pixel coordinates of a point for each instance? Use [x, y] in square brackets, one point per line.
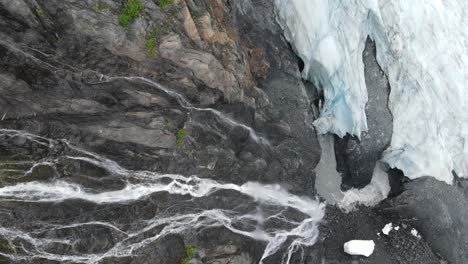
[366, 224]
[438, 211]
[356, 158]
[166, 250]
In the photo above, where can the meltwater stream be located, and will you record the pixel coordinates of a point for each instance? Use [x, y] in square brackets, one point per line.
[82, 195]
[187, 105]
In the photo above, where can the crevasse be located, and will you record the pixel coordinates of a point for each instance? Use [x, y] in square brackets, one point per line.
[422, 46]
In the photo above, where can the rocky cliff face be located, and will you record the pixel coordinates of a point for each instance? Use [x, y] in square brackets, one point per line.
[66, 68]
[191, 87]
[207, 88]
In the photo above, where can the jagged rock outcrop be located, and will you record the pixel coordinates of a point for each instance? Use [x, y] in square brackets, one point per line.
[207, 88]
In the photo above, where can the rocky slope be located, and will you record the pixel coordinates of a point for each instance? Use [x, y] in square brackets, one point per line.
[207, 88]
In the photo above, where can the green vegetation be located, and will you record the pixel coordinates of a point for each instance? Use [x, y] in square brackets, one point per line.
[181, 133]
[131, 10]
[7, 248]
[167, 123]
[189, 252]
[150, 47]
[39, 12]
[100, 6]
[151, 40]
[163, 3]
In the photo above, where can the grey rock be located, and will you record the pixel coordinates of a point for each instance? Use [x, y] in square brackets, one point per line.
[439, 212]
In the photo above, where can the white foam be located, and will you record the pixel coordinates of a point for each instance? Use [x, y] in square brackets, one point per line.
[328, 182]
[291, 234]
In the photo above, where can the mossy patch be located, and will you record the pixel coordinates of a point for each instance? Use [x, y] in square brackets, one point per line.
[189, 252]
[6, 247]
[130, 11]
[168, 123]
[150, 43]
[181, 133]
[150, 47]
[39, 12]
[164, 3]
[100, 6]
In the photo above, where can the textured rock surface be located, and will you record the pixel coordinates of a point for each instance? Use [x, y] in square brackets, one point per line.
[231, 107]
[439, 214]
[63, 74]
[71, 50]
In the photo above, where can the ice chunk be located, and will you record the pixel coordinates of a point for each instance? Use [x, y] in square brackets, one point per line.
[421, 46]
[359, 247]
[387, 228]
[415, 233]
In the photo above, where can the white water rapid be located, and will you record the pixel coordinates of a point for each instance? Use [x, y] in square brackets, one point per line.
[269, 214]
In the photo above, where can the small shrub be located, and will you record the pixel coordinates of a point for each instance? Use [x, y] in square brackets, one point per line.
[181, 133]
[131, 10]
[100, 6]
[163, 3]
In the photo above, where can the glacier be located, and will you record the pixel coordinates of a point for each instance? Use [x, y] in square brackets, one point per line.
[422, 46]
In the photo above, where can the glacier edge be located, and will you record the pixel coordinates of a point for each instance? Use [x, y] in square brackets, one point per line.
[421, 46]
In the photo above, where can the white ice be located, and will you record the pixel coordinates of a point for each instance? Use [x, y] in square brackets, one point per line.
[422, 46]
[415, 233]
[359, 247]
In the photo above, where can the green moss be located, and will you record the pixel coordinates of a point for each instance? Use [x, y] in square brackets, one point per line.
[130, 11]
[39, 12]
[167, 123]
[151, 40]
[100, 6]
[150, 49]
[189, 252]
[181, 133]
[6, 247]
[185, 260]
[163, 3]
